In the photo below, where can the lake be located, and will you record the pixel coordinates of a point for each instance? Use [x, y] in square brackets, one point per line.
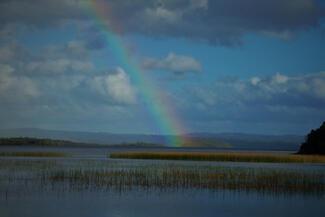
[90, 184]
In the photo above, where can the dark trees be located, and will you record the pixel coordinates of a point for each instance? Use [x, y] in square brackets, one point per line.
[315, 142]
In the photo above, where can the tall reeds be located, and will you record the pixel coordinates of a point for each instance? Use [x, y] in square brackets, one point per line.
[106, 175]
[218, 156]
[200, 178]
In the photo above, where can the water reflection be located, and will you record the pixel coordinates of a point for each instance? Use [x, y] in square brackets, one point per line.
[137, 203]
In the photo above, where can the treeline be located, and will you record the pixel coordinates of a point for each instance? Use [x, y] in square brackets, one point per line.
[315, 142]
[25, 141]
[138, 145]
[28, 141]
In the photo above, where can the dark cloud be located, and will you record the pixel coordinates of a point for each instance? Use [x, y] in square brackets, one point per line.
[41, 13]
[71, 57]
[217, 21]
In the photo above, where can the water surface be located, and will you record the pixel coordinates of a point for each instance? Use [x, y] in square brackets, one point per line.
[23, 191]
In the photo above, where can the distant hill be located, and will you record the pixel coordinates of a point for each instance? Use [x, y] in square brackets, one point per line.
[235, 141]
[28, 141]
[82, 137]
[23, 141]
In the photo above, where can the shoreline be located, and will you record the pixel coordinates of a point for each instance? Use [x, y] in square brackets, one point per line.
[222, 156]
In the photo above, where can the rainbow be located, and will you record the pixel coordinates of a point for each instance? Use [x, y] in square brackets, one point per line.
[154, 101]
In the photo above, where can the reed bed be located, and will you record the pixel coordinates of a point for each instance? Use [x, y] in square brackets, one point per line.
[222, 156]
[33, 154]
[79, 175]
[183, 178]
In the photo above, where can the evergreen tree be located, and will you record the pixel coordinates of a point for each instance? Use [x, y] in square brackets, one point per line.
[315, 142]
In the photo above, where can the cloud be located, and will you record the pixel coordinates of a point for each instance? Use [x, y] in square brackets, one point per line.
[217, 21]
[40, 13]
[278, 90]
[13, 52]
[58, 66]
[16, 88]
[59, 74]
[279, 79]
[84, 101]
[71, 57]
[262, 104]
[6, 53]
[178, 64]
[160, 14]
[74, 49]
[116, 85]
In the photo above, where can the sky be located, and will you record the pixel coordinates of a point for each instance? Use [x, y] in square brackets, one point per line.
[163, 66]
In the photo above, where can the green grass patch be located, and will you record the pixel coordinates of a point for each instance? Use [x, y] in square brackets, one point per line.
[222, 156]
[33, 154]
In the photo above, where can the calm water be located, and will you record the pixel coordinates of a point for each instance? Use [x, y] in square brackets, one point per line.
[154, 203]
[23, 195]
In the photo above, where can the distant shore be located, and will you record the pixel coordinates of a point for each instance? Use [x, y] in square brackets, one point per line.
[44, 142]
[33, 154]
[222, 156]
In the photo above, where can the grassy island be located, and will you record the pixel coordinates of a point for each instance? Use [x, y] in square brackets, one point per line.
[222, 156]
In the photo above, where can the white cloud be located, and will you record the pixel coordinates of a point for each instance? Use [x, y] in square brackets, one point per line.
[161, 14]
[255, 80]
[199, 4]
[117, 86]
[277, 90]
[175, 63]
[59, 74]
[279, 78]
[318, 86]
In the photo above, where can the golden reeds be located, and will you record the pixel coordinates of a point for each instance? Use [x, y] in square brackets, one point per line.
[222, 156]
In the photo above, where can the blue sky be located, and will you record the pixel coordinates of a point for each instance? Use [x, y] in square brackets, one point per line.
[224, 66]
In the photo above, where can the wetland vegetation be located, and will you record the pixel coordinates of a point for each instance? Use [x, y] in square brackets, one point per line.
[103, 185]
[222, 156]
[28, 141]
[214, 178]
[33, 154]
[101, 175]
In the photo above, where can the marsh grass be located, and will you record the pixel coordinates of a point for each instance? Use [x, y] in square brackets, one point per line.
[33, 154]
[78, 175]
[203, 178]
[222, 156]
